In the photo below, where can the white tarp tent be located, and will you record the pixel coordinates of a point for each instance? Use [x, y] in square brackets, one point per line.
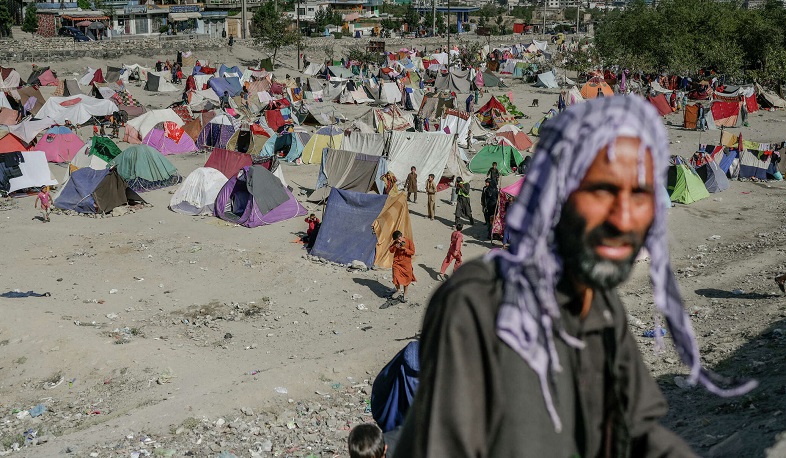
[313, 69]
[27, 130]
[547, 80]
[197, 195]
[35, 172]
[11, 81]
[143, 124]
[78, 109]
[88, 76]
[128, 70]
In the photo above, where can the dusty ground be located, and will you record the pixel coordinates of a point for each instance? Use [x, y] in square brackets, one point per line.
[186, 336]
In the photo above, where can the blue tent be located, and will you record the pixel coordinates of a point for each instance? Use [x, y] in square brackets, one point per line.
[346, 234]
[231, 85]
[95, 191]
[224, 69]
[394, 388]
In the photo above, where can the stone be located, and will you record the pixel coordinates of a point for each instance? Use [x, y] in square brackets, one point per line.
[359, 265]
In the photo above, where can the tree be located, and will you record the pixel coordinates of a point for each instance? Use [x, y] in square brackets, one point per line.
[390, 24]
[30, 23]
[522, 12]
[440, 21]
[326, 17]
[501, 29]
[411, 17]
[84, 4]
[5, 20]
[271, 28]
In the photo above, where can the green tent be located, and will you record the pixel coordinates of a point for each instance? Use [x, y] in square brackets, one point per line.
[505, 156]
[104, 148]
[684, 184]
[509, 107]
[145, 169]
[536, 128]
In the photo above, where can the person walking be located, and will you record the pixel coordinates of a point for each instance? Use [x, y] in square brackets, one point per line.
[403, 249]
[431, 193]
[489, 201]
[412, 185]
[463, 206]
[454, 252]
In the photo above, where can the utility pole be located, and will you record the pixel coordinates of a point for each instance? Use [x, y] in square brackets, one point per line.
[433, 18]
[243, 20]
[578, 12]
[298, 35]
[544, 16]
[448, 35]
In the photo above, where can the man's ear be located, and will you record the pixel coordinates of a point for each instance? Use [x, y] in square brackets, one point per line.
[385, 453]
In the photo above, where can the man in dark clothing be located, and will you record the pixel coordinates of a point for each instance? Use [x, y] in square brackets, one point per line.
[463, 207]
[489, 200]
[528, 353]
[224, 100]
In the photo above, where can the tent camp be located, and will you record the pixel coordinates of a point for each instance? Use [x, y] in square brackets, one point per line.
[714, 178]
[95, 191]
[256, 197]
[346, 170]
[172, 140]
[325, 137]
[197, 194]
[35, 173]
[217, 132]
[684, 184]
[505, 156]
[145, 169]
[60, 144]
[547, 80]
[591, 87]
[159, 82]
[357, 226]
[138, 128]
[78, 109]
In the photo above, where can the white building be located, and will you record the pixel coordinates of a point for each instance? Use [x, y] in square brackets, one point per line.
[307, 9]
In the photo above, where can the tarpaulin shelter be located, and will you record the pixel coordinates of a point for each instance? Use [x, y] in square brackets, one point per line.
[197, 194]
[230, 84]
[42, 77]
[91, 75]
[228, 162]
[164, 142]
[393, 217]
[313, 69]
[10, 143]
[318, 114]
[95, 191]
[145, 169]
[691, 117]
[256, 197]
[345, 170]
[454, 80]
[325, 137]
[684, 184]
[463, 125]
[661, 104]
[70, 87]
[590, 88]
[138, 128]
[508, 192]
[754, 164]
[159, 82]
[767, 98]
[340, 72]
[104, 148]
[26, 94]
[490, 111]
[434, 104]
[509, 106]
[512, 136]
[223, 71]
[714, 178]
[491, 80]
[505, 156]
[78, 109]
[60, 144]
[216, 133]
[387, 118]
[538, 125]
[29, 129]
[9, 78]
[346, 233]
[547, 80]
[394, 388]
[35, 172]
[726, 114]
[245, 140]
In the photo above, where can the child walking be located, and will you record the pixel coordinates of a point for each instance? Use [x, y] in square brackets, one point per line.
[454, 252]
[45, 199]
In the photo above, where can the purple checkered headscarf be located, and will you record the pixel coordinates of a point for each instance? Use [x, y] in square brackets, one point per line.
[529, 316]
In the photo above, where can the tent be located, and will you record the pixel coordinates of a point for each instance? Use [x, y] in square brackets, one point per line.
[512, 136]
[138, 128]
[230, 84]
[159, 82]
[145, 169]
[684, 184]
[491, 80]
[10, 143]
[313, 69]
[217, 132]
[769, 99]
[573, 96]
[393, 391]
[26, 94]
[167, 142]
[726, 114]
[197, 194]
[434, 104]
[347, 232]
[246, 140]
[340, 72]
[95, 191]
[9, 78]
[661, 104]
[590, 88]
[510, 107]
[506, 158]
[508, 192]
[494, 114]
[256, 197]
[318, 114]
[42, 76]
[387, 118]
[714, 178]
[454, 80]
[462, 124]
[78, 109]
[346, 170]
[538, 125]
[325, 137]
[60, 144]
[754, 164]
[228, 162]
[547, 80]
[35, 172]
[104, 148]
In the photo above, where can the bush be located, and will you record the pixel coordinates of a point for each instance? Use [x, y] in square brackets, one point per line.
[338, 35]
[163, 29]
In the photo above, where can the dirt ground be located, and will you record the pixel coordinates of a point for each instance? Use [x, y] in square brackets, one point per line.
[173, 335]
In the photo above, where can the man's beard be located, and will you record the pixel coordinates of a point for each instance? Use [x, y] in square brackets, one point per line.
[581, 262]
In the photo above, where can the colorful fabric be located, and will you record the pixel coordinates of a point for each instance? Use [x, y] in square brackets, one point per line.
[173, 131]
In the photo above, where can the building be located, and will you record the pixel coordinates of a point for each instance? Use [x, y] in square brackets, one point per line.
[307, 9]
[364, 8]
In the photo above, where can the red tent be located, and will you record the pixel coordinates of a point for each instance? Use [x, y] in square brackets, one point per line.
[492, 104]
[751, 104]
[98, 77]
[10, 143]
[228, 162]
[661, 104]
[725, 113]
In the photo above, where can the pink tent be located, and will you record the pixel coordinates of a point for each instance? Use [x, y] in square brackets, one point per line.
[47, 79]
[158, 139]
[60, 144]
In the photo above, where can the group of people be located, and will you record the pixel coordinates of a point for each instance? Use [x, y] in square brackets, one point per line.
[527, 352]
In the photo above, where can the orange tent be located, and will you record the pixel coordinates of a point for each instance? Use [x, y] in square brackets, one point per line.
[10, 143]
[590, 89]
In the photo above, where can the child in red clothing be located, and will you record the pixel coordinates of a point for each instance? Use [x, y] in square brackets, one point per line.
[45, 200]
[454, 252]
[312, 221]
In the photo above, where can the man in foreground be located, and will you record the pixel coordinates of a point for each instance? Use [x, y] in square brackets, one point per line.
[528, 353]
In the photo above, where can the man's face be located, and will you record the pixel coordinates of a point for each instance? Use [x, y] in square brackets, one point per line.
[606, 219]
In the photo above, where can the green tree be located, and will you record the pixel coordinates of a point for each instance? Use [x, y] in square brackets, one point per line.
[440, 21]
[5, 20]
[271, 29]
[84, 4]
[522, 12]
[501, 28]
[390, 24]
[411, 17]
[325, 17]
[30, 23]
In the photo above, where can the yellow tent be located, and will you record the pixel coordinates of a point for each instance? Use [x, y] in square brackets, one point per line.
[393, 217]
[326, 137]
